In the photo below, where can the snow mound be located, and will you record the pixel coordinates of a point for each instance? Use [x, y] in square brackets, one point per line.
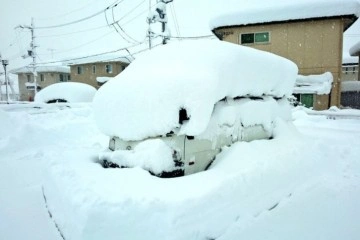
[145, 99]
[69, 91]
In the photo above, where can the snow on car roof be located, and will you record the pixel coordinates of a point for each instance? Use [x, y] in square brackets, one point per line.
[145, 99]
[234, 13]
[70, 91]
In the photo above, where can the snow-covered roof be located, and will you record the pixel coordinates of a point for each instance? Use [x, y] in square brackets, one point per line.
[349, 60]
[145, 99]
[97, 59]
[350, 86]
[314, 84]
[70, 91]
[355, 50]
[236, 13]
[43, 69]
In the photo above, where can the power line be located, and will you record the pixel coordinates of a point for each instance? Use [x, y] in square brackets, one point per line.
[173, 12]
[84, 44]
[93, 55]
[68, 13]
[82, 19]
[71, 33]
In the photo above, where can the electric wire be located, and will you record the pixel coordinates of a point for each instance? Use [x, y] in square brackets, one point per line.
[173, 12]
[93, 55]
[68, 13]
[71, 33]
[82, 19]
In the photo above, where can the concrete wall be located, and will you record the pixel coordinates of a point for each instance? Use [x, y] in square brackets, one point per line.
[48, 79]
[89, 77]
[315, 46]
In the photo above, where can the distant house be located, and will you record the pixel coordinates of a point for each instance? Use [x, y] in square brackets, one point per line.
[310, 33]
[46, 75]
[350, 68]
[350, 89]
[97, 70]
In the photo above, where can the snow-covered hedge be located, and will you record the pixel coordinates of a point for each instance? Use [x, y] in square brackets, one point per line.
[145, 99]
[67, 91]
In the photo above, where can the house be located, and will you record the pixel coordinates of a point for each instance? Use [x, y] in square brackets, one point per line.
[350, 68]
[96, 71]
[310, 33]
[46, 75]
[350, 89]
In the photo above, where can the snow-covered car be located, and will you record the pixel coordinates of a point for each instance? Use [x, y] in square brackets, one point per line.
[72, 92]
[174, 108]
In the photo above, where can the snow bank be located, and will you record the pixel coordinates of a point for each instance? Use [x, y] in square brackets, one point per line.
[234, 13]
[146, 98]
[69, 91]
[350, 86]
[316, 84]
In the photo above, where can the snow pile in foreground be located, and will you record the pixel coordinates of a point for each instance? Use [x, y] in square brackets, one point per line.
[192, 75]
[69, 91]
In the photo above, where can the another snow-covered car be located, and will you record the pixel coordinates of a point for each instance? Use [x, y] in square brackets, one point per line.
[72, 92]
[174, 108]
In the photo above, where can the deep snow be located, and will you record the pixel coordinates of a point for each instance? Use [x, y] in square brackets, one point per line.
[304, 184]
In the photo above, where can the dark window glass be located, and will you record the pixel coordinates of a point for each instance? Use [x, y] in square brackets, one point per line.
[247, 38]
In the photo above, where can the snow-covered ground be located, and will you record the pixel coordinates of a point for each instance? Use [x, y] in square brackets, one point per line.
[303, 184]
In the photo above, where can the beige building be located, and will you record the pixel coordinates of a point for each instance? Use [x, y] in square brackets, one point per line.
[46, 75]
[305, 34]
[94, 71]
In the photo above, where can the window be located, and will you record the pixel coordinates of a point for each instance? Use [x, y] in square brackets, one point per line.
[93, 69]
[41, 77]
[61, 77]
[80, 70]
[68, 77]
[28, 77]
[108, 68]
[250, 38]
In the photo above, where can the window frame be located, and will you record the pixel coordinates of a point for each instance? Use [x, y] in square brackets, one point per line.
[80, 70]
[254, 38]
[110, 70]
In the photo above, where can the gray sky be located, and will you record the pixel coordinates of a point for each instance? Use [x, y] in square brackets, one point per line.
[94, 35]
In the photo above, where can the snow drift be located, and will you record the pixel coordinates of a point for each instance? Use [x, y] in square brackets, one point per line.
[68, 91]
[190, 75]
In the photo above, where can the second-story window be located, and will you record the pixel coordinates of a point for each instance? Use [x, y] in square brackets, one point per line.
[93, 69]
[80, 70]
[108, 68]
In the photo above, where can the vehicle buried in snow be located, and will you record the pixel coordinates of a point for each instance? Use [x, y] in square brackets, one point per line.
[66, 92]
[174, 108]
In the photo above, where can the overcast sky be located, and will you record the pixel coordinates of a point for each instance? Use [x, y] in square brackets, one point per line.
[94, 35]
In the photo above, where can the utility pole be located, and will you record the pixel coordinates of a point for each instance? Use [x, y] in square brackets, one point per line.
[5, 63]
[159, 15]
[32, 52]
[149, 28]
